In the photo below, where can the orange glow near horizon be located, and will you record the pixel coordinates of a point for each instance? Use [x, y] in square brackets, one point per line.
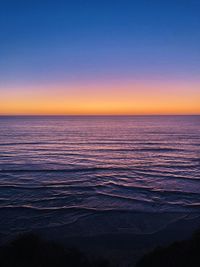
[115, 99]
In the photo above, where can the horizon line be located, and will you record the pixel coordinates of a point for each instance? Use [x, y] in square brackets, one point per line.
[93, 115]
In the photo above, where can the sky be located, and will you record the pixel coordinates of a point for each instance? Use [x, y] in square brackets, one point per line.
[99, 57]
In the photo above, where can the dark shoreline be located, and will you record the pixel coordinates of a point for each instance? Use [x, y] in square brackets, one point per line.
[124, 249]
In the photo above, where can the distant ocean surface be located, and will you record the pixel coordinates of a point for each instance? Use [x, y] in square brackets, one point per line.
[57, 171]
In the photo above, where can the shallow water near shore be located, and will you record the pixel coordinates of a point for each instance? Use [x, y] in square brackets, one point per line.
[99, 172]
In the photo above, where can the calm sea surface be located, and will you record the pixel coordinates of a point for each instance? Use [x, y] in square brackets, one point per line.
[57, 170]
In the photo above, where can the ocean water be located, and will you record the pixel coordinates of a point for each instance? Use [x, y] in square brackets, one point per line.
[57, 171]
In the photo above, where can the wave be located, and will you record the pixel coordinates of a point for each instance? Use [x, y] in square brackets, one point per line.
[137, 170]
[88, 169]
[64, 209]
[92, 169]
[110, 190]
[46, 187]
[153, 190]
[155, 209]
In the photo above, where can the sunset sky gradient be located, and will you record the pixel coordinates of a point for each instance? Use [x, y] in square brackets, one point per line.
[100, 57]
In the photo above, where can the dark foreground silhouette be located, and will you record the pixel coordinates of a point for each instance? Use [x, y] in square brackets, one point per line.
[179, 254]
[31, 251]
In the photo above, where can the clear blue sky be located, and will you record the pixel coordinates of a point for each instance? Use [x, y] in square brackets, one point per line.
[52, 41]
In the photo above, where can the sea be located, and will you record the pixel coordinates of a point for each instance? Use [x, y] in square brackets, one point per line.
[97, 174]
